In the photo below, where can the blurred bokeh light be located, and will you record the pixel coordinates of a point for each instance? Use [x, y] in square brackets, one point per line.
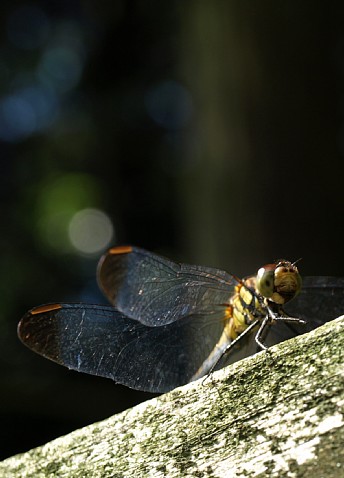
[169, 104]
[28, 27]
[52, 54]
[58, 201]
[90, 231]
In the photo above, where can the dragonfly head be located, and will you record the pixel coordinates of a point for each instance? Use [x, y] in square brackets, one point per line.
[279, 282]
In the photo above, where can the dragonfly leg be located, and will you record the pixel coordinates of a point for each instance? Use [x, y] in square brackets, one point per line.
[270, 317]
[231, 345]
[291, 319]
[259, 334]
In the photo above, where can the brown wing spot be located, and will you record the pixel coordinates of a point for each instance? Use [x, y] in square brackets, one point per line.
[45, 308]
[120, 250]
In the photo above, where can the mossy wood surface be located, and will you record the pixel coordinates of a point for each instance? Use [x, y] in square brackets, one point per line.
[275, 414]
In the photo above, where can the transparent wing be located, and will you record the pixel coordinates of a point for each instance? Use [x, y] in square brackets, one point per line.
[156, 291]
[320, 300]
[102, 341]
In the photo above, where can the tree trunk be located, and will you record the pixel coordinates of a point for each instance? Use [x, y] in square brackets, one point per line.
[278, 413]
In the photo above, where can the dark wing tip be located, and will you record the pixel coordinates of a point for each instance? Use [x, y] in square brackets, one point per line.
[111, 268]
[38, 330]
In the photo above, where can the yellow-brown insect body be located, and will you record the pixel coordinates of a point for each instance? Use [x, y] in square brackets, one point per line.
[245, 308]
[256, 299]
[274, 285]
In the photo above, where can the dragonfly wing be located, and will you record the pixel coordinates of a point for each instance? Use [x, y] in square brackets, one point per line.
[102, 341]
[155, 291]
[320, 300]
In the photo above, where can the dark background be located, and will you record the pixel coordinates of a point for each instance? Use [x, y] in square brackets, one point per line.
[210, 132]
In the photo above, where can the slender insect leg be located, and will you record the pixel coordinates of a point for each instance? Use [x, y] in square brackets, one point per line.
[231, 345]
[272, 316]
[259, 334]
[291, 319]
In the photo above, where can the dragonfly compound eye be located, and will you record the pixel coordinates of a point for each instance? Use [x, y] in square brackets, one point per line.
[266, 281]
[288, 282]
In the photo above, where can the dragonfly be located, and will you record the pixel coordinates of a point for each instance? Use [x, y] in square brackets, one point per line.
[169, 324]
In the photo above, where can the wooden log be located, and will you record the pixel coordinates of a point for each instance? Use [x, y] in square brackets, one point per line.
[278, 413]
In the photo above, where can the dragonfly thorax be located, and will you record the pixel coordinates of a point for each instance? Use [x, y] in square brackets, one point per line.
[246, 305]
